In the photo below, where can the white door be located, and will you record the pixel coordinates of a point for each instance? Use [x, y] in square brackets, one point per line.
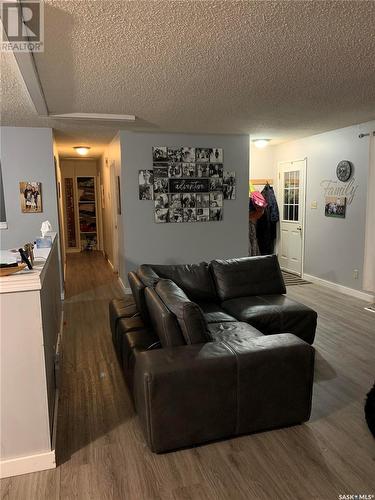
[292, 177]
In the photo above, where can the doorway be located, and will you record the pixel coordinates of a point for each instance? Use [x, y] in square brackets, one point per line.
[291, 193]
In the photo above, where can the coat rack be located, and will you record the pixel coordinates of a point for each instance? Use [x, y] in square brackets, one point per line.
[261, 182]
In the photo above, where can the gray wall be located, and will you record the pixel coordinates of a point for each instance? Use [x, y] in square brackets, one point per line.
[144, 241]
[333, 247]
[27, 155]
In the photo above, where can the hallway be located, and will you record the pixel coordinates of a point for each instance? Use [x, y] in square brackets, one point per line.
[100, 447]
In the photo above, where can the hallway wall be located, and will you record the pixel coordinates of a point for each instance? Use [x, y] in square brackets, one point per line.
[27, 155]
[146, 241]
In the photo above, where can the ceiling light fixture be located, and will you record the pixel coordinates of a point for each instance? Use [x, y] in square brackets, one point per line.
[82, 150]
[261, 143]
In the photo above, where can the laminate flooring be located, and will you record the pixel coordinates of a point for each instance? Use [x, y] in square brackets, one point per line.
[101, 452]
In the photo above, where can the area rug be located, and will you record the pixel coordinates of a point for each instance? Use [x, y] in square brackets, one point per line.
[291, 279]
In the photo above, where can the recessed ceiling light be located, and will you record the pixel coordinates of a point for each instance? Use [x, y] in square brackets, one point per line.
[261, 143]
[82, 150]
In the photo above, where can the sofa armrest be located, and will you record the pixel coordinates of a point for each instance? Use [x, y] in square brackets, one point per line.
[190, 394]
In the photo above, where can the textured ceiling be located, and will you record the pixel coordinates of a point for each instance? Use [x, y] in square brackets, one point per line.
[279, 69]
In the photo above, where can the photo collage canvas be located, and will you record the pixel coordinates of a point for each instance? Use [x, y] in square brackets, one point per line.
[187, 184]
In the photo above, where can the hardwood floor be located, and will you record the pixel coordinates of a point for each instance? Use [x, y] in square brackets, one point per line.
[100, 447]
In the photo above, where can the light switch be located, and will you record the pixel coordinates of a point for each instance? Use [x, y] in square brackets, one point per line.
[314, 204]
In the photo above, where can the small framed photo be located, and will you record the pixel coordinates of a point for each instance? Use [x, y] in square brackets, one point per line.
[175, 155]
[216, 214]
[159, 153]
[202, 155]
[335, 206]
[161, 215]
[160, 171]
[203, 200]
[216, 199]
[216, 155]
[216, 184]
[229, 185]
[176, 215]
[175, 170]
[188, 155]
[161, 185]
[161, 200]
[31, 197]
[188, 170]
[189, 200]
[216, 170]
[190, 215]
[203, 214]
[203, 170]
[175, 201]
[145, 182]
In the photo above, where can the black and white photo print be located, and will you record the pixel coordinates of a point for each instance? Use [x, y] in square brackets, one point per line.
[161, 201]
[145, 182]
[203, 170]
[229, 185]
[188, 170]
[160, 185]
[188, 200]
[216, 214]
[161, 215]
[160, 171]
[159, 153]
[216, 155]
[188, 155]
[202, 155]
[203, 200]
[175, 201]
[216, 199]
[216, 170]
[175, 170]
[216, 184]
[175, 155]
[190, 215]
[176, 215]
[203, 214]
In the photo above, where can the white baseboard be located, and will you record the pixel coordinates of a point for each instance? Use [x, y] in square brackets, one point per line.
[25, 465]
[126, 290]
[358, 294]
[110, 263]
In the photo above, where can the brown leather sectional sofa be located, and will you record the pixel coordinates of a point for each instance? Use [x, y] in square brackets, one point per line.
[214, 350]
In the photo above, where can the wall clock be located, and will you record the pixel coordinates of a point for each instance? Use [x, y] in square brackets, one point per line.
[344, 170]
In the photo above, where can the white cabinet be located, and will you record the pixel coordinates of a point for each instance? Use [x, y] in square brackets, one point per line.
[30, 327]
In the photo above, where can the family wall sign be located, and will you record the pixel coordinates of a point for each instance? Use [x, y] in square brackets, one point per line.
[187, 184]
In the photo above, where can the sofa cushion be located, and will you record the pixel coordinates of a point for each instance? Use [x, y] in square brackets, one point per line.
[213, 313]
[163, 321]
[247, 276]
[120, 308]
[272, 314]
[238, 331]
[138, 291]
[194, 279]
[189, 315]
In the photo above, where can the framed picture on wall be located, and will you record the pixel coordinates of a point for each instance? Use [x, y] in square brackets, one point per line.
[335, 206]
[31, 197]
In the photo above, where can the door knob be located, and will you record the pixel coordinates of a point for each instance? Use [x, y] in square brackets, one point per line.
[299, 228]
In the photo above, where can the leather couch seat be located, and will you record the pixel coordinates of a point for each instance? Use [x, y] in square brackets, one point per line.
[272, 314]
[233, 331]
[213, 313]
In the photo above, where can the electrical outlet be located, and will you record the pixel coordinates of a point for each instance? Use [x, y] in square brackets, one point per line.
[355, 274]
[314, 204]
